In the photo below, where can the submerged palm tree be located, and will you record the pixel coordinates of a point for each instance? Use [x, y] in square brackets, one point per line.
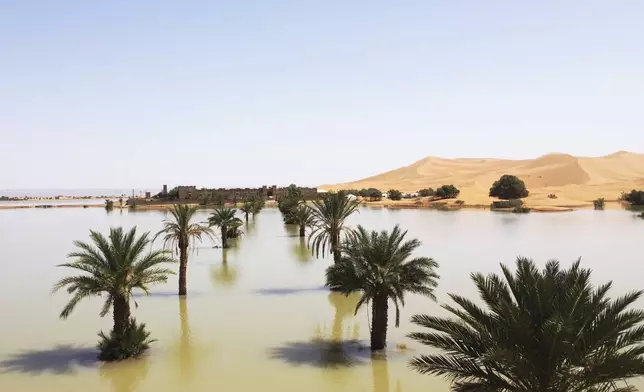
[224, 218]
[379, 265]
[540, 330]
[329, 215]
[114, 267]
[303, 217]
[180, 232]
[247, 208]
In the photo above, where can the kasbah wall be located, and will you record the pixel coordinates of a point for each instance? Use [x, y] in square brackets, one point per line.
[192, 194]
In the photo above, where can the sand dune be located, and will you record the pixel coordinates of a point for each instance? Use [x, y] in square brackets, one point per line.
[575, 180]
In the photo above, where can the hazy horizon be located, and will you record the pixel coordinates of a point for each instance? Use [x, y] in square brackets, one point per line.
[123, 95]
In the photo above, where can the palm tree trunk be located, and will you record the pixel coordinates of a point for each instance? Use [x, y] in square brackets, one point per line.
[379, 327]
[246, 216]
[183, 268]
[121, 314]
[302, 230]
[224, 239]
[335, 247]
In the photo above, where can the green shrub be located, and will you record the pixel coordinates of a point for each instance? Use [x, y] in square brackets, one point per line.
[133, 342]
[447, 192]
[426, 192]
[507, 203]
[509, 187]
[521, 210]
[394, 194]
[635, 197]
[371, 193]
[599, 203]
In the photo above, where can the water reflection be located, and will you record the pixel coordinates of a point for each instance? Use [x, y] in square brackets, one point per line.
[185, 353]
[292, 230]
[345, 307]
[125, 376]
[301, 251]
[224, 274]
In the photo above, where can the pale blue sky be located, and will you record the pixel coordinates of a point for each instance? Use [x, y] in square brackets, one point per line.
[100, 94]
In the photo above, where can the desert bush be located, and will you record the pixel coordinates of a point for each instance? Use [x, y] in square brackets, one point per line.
[109, 205]
[599, 203]
[521, 210]
[635, 197]
[459, 202]
[394, 194]
[552, 196]
[509, 187]
[426, 192]
[133, 342]
[507, 203]
[371, 193]
[447, 192]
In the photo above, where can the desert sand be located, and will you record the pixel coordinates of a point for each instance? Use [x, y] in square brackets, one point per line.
[576, 181]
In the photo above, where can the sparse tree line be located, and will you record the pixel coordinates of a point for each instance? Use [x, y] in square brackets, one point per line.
[533, 329]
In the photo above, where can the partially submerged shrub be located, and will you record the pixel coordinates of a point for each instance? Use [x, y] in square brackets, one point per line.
[447, 192]
[635, 197]
[552, 196]
[521, 210]
[426, 192]
[509, 187]
[109, 205]
[133, 342]
[599, 203]
[459, 202]
[394, 194]
[507, 203]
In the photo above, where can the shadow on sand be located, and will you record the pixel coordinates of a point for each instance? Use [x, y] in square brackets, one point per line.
[290, 290]
[322, 353]
[61, 359]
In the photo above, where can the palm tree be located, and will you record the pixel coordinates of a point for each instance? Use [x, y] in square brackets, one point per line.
[247, 208]
[540, 330]
[180, 232]
[329, 215]
[378, 265]
[224, 218]
[258, 204]
[114, 267]
[303, 217]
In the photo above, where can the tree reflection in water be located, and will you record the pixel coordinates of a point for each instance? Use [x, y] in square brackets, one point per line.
[125, 376]
[224, 274]
[301, 251]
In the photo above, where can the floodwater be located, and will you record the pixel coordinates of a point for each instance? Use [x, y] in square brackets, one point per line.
[257, 317]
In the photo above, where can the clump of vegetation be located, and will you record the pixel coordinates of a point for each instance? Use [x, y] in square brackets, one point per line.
[635, 197]
[506, 203]
[521, 210]
[426, 192]
[381, 267]
[447, 192]
[552, 196]
[109, 205]
[132, 342]
[372, 194]
[459, 202]
[549, 328]
[599, 203]
[234, 229]
[353, 192]
[509, 187]
[394, 194]
[287, 203]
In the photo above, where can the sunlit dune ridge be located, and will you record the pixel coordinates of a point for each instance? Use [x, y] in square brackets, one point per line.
[574, 180]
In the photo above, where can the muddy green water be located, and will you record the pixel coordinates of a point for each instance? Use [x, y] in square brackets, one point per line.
[257, 317]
